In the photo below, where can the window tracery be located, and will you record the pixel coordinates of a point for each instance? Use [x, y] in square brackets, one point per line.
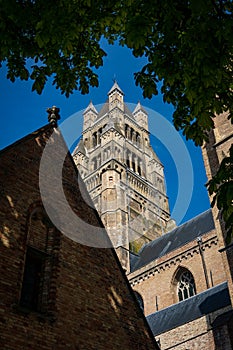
[185, 285]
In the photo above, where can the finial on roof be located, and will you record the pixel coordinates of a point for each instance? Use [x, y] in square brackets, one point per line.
[53, 115]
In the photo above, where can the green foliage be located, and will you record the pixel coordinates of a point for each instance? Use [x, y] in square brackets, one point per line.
[188, 45]
[61, 37]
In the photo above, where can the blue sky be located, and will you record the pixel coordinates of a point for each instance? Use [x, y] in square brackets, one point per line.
[24, 111]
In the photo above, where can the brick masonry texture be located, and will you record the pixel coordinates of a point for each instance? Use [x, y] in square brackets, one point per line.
[160, 287]
[220, 140]
[155, 281]
[90, 302]
[196, 335]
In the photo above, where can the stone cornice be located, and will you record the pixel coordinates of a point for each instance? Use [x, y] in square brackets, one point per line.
[135, 123]
[146, 272]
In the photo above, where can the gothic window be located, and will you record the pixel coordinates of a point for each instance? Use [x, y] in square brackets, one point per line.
[39, 264]
[185, 285]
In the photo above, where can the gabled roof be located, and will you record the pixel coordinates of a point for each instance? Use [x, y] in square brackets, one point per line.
[90, 107]
[139, 108]
[128, 111]
[115, 87]
[174, 239]
[104, 110]
[188, 310]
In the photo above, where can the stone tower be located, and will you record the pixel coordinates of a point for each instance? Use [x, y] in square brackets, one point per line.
[123, 174]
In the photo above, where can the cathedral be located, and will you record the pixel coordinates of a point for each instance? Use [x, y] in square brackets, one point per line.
[123, 174]
[181, 275]
[149, 284]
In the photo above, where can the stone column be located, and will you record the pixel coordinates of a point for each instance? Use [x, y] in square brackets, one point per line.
[98, 137]
[130, 161]
[134, 136]
[136, 164]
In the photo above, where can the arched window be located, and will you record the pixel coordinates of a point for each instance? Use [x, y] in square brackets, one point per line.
[42, 241]
[185, 284]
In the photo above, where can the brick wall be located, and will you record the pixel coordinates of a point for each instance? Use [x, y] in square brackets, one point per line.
[220, 140]
[196, 335]
[93, 304]
[155, 282]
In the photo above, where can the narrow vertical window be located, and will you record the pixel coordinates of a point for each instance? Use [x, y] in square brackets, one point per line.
[32, 286]
[39, 263]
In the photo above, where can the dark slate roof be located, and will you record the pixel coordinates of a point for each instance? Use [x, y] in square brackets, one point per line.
[133, 258]
[223, 319]
[104, 110]
[128, 111]
[174, 239]
[190, 309]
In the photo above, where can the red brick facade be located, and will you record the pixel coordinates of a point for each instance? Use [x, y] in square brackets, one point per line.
[156, 281]
[196, 335]
[85, 300]
[213, 152]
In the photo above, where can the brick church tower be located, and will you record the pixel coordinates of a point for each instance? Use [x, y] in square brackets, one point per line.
[123, 174]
